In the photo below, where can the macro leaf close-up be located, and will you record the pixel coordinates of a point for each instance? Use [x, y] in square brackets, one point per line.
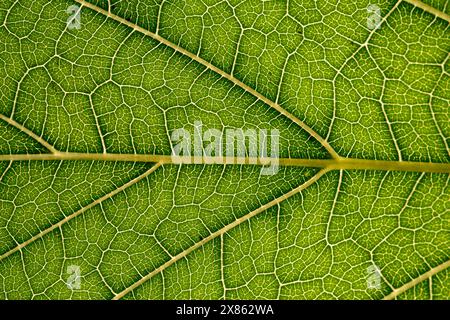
[224, 149]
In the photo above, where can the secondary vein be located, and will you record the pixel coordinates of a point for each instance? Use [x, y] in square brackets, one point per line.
[419, 279]
[210, 66]
[80, 211]
[221, 231]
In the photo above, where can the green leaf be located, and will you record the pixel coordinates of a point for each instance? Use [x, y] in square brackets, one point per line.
[94, 205]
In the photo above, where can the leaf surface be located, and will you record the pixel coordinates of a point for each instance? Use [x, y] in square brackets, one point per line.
[86, 177]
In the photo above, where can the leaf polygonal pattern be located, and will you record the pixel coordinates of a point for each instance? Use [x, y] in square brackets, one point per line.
[86, 178]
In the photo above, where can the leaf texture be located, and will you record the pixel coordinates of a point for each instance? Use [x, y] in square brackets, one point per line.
[87, 178]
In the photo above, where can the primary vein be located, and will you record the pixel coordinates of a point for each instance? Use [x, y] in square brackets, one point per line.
[330, 164]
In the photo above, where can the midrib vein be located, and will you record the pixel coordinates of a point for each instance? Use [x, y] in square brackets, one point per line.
[329, 164]
[222, 73]
[80, 211]
[417, 280]
[220, 232]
